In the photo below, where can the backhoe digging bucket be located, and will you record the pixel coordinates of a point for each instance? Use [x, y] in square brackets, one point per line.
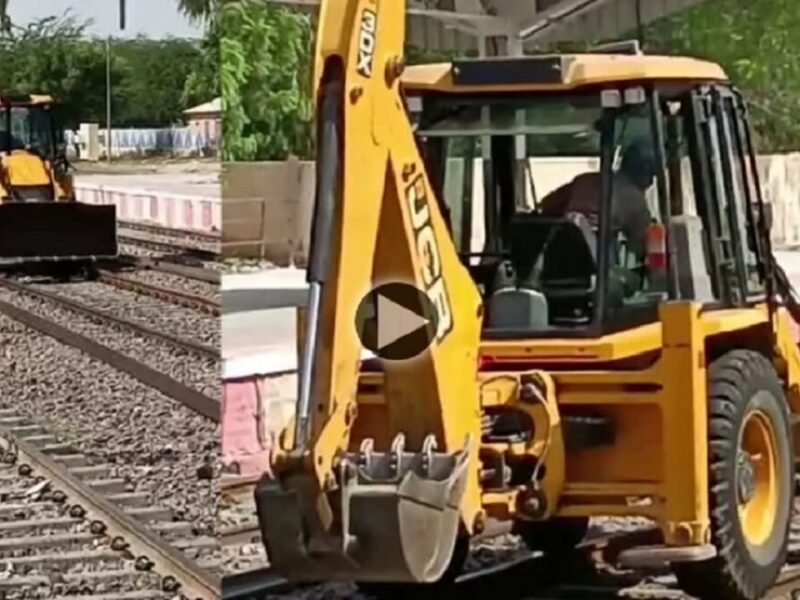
[56, 231]
[396, 518]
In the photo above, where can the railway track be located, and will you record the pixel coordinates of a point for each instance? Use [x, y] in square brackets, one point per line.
[102, 316]
[167, 266]
[169, 248]
[68, 525]
[178, 244]
[188, 396]
[186, 234]
[173, 296]
[587, 574]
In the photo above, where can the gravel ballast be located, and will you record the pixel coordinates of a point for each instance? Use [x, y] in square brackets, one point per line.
[180, 241]
[178, 321]
[160, 446]
[170, 281]
[138, 251]
[199, 373]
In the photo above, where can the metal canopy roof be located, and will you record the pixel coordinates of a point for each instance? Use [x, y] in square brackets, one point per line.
[531, 21]
[465, 24]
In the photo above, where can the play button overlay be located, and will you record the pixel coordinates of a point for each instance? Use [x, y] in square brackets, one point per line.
[396, 321]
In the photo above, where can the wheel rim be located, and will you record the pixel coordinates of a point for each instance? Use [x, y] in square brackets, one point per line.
[756, 478]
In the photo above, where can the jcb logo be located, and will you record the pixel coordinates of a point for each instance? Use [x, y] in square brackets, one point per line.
[366, 42]
[428, 250]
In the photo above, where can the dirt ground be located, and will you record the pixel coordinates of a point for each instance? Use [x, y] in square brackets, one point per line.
[163, 175]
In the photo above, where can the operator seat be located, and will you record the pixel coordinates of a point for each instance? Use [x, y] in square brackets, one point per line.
[552, 264]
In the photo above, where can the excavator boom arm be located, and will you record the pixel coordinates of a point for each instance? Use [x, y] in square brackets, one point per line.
[377, 221]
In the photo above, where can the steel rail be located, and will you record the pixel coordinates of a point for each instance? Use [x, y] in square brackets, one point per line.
[254, 584]
[205, 236]
[199, 303]
[173, 268]
[533, 576]
[526, 571]
[183, 344]
[196, 581]
[169, 247]
[197, 401]
[164, 266]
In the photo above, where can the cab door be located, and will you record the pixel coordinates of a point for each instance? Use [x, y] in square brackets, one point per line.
[729, 199]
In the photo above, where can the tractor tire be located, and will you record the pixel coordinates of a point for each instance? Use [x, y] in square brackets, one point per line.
[554, 537]
[751, 481]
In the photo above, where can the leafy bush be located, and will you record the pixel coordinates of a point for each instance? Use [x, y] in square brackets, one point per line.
[153, 81]
[756, 42]
[52, 56]
[265, 54]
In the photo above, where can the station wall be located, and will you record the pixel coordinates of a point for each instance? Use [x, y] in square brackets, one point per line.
[267, 207]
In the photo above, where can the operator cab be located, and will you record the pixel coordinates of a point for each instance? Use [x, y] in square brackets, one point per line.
[28, 123]
[29, 129]
[580, 206]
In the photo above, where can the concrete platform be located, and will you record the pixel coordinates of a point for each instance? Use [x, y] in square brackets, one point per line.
[191, 184]
[175, 200]
[259, 321]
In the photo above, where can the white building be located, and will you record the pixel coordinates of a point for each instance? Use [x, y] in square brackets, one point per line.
[207, 118]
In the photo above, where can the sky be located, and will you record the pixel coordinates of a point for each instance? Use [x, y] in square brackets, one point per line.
[154, 18]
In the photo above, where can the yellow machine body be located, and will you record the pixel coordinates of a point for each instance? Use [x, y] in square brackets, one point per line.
[650, 381]
[40, 218]
[387, 467]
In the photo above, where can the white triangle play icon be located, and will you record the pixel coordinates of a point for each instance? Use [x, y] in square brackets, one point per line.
[396, 321]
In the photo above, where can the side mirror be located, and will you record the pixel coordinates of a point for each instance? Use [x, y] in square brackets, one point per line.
[767, 207]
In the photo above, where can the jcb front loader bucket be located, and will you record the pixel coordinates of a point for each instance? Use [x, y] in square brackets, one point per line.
[396, 518]
[56, 231]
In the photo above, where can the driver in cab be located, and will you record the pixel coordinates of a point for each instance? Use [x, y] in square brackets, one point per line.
[630, 212]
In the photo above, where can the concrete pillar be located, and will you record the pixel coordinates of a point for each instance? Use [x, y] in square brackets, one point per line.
[89, 141]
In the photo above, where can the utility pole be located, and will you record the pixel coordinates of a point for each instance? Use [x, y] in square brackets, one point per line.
[122, 20]
[108, 98]
[5, 20]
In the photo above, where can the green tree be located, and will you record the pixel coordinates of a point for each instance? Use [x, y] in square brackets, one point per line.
[153, 75]
[202, 84]
[756, 42]
[53, 56]
[265, 79]
[149, 77]
[198, 10]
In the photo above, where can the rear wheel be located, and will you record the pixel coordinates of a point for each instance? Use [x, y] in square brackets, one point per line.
[751, 481]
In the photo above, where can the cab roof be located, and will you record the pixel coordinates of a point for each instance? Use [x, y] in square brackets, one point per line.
[16, 99]
[556, 72]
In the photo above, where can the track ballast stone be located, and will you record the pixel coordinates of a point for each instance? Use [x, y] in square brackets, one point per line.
[202, 374]
[158, 314]
[172, 281]
[158, 445]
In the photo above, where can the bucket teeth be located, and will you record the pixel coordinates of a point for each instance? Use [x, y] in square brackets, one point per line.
[365, 452]
[428, 448]
[398, 446]
[398, 517]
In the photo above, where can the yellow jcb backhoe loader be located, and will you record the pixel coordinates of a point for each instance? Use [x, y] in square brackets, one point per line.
[41, 223]
[606, 330]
